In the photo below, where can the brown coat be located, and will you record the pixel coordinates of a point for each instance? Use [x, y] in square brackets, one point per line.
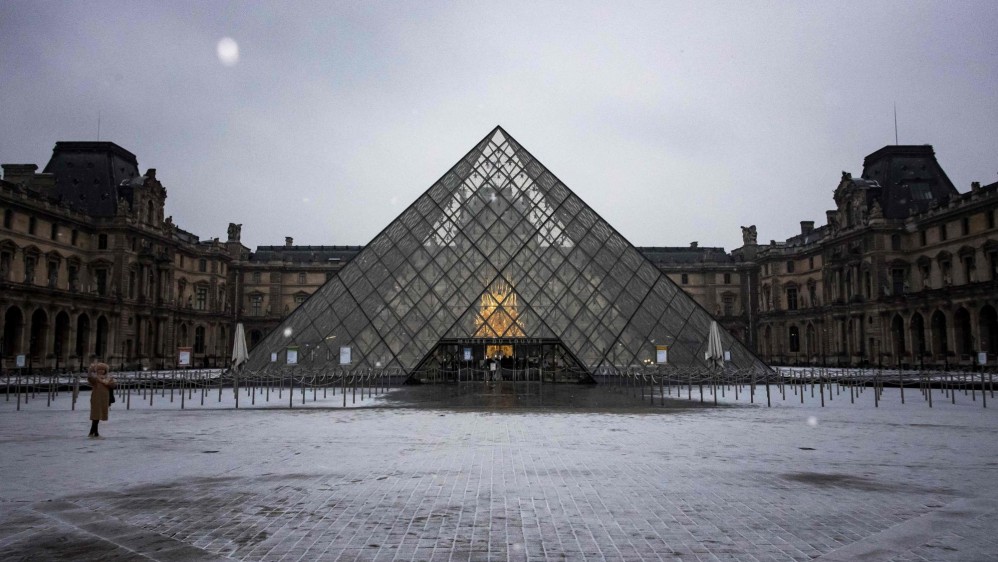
[100, 396]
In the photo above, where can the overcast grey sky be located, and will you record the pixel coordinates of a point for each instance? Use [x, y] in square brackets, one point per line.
[676, 121]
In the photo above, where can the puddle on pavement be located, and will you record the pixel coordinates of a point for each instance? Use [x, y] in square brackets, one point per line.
[520, 396]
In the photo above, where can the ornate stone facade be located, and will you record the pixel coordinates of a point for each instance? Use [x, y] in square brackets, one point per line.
[905, 270]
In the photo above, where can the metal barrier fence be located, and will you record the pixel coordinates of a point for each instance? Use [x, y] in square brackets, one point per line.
[195, 386]
[707, 384]
[291, 385]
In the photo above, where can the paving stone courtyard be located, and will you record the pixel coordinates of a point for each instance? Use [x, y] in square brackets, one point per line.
[503, 472]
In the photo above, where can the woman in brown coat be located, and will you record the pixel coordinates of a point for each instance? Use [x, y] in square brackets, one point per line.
[100, 397]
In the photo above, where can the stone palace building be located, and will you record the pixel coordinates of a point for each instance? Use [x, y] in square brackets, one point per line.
[904, 271]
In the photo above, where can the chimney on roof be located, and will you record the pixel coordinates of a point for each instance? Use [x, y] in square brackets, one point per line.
[19, 173]
[806, 227]
[974, 185]
[288, 241]
[694, 244]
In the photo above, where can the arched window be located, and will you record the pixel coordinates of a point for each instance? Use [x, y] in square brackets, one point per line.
[103, 327]
[794, 337]
[199, 339]
[38, 335]
[13, 323]
[940, 345]
[964, 337]
[897, 334]
[918, 334]
[988, 328]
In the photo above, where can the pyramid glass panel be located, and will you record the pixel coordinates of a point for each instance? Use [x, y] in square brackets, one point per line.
[500, 252]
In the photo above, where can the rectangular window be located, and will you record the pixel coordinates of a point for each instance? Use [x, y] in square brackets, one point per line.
[895, 242]
[29, 270]
[8, 219]
[923, 239]
[991, 218]
[32, 224]
[299, 300]
[256, 276]
[256, 305]
[727, 278]
[728, 302]
[199, 339]
[6, 258]
[920, 191]
[897, 281]
[53, 272]
[202, 265]
[201, 298]
[965, 226]
[790, 267]
[100, 277]
[54, 232]
[791, 298]
[301, 278]
[102, 241]
[942, 232]
[685, 279]
[73, 237]
[810, 262]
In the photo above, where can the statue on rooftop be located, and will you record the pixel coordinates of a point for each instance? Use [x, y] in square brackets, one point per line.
[748, 235]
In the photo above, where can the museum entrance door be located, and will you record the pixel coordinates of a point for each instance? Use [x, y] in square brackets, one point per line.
[500, 359]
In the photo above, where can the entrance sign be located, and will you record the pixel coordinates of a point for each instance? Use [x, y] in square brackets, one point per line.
[20, 360]
[727, 355]
[273, 357]
[467, 354]
[292, 356]
[982, 358]
[344, 355]
[183, 357]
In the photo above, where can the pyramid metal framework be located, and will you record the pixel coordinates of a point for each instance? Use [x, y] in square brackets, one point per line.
[500, 250]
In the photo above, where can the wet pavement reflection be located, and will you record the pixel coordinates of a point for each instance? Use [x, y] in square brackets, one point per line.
[532, 396]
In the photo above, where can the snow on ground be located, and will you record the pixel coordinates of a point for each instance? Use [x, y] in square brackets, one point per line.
[579, 473]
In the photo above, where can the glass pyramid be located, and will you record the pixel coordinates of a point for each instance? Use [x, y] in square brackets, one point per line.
[497, 252]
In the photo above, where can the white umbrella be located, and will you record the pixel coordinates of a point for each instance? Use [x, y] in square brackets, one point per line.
[239, 353]
[715, 349]
[239, 356]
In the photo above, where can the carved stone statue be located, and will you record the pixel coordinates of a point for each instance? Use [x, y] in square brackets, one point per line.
[876, 212]
[235, 232]
[748, 235]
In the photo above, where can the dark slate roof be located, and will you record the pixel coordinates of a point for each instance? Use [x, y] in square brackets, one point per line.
[87, 175]
[305, 254]
[809, 238]
[910, 178]
[685, 255]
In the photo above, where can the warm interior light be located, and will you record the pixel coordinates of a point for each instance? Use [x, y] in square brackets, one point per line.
[499, 318]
